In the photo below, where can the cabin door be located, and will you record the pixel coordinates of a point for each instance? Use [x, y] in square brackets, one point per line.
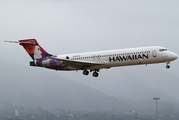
[154, 53]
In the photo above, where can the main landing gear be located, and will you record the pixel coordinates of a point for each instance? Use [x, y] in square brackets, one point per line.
[85, 72]
[95, 73]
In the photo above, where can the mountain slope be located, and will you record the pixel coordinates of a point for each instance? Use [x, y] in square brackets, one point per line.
[34, 87]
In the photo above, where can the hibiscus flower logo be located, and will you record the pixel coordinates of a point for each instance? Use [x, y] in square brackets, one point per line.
[29, 48]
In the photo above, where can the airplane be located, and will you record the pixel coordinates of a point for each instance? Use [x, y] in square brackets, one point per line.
[94, 61]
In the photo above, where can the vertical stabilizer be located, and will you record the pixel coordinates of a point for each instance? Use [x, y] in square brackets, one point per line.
[34, 49]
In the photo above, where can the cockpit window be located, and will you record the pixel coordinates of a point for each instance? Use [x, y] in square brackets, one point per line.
[162, 50]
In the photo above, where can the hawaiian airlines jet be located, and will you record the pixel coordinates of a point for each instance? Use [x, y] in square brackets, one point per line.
[94, 61]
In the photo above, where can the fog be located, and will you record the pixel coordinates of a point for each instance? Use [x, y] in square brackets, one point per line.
[63, 27]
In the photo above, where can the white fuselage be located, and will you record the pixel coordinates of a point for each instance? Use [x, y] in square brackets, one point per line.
[94, 61]
[123, 57]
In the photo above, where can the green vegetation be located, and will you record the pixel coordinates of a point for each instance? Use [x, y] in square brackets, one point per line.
[21, 113]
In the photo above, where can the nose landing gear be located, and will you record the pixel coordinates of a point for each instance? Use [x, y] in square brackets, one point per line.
[168, 66]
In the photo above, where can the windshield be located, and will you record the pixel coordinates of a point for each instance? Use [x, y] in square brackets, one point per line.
[162, 50]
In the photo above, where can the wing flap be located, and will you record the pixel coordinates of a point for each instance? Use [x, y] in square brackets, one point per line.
[77, 64]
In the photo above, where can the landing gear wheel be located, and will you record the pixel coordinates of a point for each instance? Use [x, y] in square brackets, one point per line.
[168, 66]
[95, 74]
[85, 72]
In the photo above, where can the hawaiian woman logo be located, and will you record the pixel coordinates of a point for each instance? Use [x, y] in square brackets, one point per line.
[34, 51]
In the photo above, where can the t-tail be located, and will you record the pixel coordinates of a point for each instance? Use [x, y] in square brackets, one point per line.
[32, 47]
[38, 54]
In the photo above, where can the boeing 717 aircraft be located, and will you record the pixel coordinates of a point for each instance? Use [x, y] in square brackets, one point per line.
[94, 61]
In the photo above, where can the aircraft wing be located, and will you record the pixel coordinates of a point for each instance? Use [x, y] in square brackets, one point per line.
[77, 64]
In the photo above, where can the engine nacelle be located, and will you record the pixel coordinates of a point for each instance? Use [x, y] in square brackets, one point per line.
[46, 63]
[32, 63]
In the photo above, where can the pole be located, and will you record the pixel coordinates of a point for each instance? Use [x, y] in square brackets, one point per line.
[156, 105]
[156, 109]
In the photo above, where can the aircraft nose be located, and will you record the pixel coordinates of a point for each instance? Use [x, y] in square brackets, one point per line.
[174, 56]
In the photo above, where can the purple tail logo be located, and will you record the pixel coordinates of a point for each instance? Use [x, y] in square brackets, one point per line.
[34, 49]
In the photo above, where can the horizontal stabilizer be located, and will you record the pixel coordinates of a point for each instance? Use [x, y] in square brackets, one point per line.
[28, 42]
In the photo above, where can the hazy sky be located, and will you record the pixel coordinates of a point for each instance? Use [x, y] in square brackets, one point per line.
[66, 26]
